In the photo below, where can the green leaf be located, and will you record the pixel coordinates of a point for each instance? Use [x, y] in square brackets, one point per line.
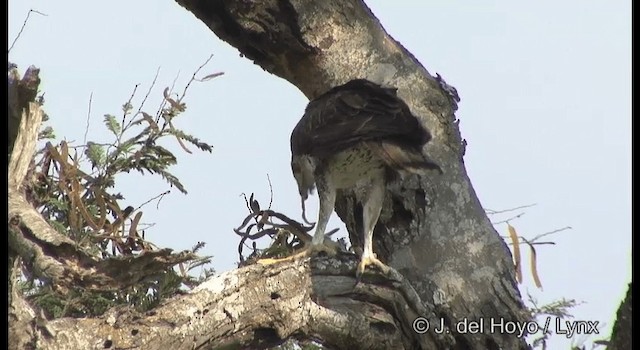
[164, 155]
[57, 204]
[172, 180]
[203, 146]
[96, 154]
[126, 147]
[46, 133]
[112, 124]
[127, 107]
[58, 226]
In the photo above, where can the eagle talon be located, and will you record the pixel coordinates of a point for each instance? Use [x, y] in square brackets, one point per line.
[370, 260]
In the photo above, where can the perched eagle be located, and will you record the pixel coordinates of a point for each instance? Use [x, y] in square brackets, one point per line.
[356, 137]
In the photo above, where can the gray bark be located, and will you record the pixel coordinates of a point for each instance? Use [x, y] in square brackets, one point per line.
[255, 308]
[621, 334]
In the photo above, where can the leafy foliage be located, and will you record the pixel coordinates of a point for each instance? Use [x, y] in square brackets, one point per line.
[73, 187]
[112, 124]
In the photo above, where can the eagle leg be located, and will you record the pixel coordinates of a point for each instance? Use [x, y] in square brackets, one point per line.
[327, 196]
[371, 213]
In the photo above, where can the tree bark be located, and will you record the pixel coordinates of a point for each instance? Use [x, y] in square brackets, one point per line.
[433, 230]
[257, 307]
[621, 334]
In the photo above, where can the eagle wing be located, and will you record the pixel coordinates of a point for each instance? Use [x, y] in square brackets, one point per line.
[358, 111]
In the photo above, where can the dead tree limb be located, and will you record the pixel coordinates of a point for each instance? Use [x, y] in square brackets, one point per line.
[256, 307]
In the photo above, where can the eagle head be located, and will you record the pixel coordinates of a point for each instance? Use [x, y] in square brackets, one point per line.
[303, 167]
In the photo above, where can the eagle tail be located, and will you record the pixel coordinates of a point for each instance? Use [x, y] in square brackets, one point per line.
[404, 159]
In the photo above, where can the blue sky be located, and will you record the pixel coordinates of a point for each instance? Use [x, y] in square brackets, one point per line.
[546, 112]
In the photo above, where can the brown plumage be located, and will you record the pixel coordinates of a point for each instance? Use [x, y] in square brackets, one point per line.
[356, 137]
[355, 112]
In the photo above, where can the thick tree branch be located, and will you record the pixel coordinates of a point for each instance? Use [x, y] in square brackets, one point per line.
[22, 155]
[22, 91]
[257, 307]
[22, 318]
[56, 257]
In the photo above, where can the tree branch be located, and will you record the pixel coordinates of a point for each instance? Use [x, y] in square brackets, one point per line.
[21, 92]
[258, 307]
[22, 325]
[57, 257]
[25, 118]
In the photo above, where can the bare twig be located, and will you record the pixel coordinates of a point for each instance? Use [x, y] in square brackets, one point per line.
[549, 233]
[280, 216]
[521, 241]
[124, 113]
[270, 192]
[535, 240]
[24, 24]
[509, 219]
[93, 143]
[184, 92]
[153, 83]
[298, 231]
[154, 198]
[86, 129]
[246, 201]
[493, 212]
[146, 225]
[168, 90]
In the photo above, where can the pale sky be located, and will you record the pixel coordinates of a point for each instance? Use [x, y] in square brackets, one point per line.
[546, 112]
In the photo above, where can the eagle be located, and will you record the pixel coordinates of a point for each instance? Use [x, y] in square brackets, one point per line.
[356, 137]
